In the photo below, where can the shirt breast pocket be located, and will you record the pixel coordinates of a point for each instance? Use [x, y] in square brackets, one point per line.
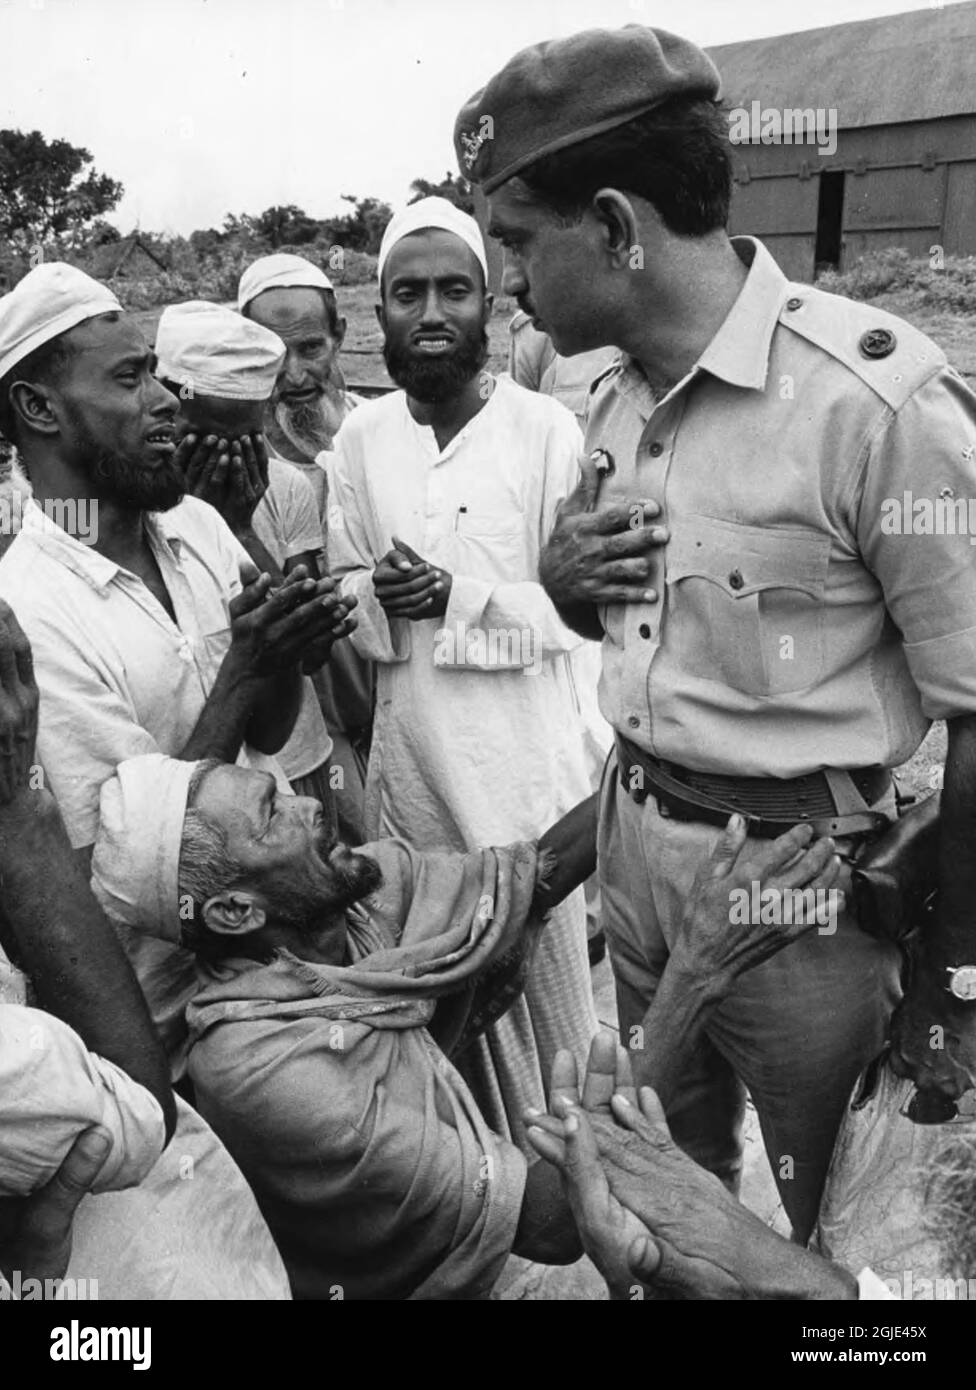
[746, 604]
[492, 540]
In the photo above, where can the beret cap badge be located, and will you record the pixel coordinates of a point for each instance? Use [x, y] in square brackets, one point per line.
[471, 144]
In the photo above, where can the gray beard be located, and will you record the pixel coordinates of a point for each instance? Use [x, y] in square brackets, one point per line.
[311, 427]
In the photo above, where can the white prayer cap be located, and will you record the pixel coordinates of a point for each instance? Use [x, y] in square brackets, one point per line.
[279, 272]
[50, 299]
[217, 352]
[136, 859]
[432, 212]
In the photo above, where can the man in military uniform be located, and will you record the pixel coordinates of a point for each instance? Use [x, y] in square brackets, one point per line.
[768, 647]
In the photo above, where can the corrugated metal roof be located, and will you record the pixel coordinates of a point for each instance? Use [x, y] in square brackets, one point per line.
[905, 67]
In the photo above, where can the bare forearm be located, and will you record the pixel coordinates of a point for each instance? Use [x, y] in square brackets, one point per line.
[679, 1011]
[225, 719]
[69, 950]
[275, 711]
[570, 850]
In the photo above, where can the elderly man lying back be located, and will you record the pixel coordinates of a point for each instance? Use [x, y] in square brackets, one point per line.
[335, 986]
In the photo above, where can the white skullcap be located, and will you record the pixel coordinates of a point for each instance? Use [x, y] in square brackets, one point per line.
[432, 212]
[50, 299]
[279, 272]
[136, 858]
[217, 352]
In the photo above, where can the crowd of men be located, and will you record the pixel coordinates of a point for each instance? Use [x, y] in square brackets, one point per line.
[302, 773]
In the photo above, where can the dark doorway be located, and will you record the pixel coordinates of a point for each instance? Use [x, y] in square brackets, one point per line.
[830, 220]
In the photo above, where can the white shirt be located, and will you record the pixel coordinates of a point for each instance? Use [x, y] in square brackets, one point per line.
[117, 676]
[286, 522]
[478, 735]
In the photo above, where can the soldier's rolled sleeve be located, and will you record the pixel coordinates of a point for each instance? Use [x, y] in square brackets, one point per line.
[917, 531]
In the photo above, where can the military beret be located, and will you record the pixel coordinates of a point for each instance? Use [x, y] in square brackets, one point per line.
[561, 92]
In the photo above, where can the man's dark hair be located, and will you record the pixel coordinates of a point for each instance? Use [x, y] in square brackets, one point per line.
[328, 299]
[45, 364]
[676, 156]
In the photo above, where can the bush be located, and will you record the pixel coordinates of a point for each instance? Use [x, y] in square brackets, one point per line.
[915, 281]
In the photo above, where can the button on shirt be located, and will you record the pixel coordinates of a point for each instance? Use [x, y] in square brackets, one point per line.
[809, 616]
[117, 676]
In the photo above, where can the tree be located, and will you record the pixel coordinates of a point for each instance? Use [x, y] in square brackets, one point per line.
[363, 228]
[452, 187]
[286, 226]
[47, 189]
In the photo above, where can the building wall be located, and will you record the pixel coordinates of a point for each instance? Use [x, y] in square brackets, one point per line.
[911, 185]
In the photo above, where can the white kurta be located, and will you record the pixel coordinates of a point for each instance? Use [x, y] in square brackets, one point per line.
[478, 736]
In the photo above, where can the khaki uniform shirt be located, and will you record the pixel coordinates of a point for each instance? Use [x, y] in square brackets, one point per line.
[818, 593]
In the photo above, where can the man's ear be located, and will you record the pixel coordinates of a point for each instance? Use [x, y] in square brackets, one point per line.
[619, 224]
[489, 306]
[340, 333]
[381, 316]
[33, 406]
[234, 912]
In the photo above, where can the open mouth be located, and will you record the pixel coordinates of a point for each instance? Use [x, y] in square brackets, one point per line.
[433, 346]
[163, 438]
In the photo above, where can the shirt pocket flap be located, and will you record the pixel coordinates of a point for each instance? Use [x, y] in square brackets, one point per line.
[745, 560]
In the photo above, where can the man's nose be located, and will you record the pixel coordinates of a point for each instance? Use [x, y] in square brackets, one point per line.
[513, 278]
[162, 400]
[433, 307]
[294, 370]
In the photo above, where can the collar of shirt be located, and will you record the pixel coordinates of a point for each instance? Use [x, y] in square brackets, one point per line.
[95, 569]
[428, 439]
[739, 351]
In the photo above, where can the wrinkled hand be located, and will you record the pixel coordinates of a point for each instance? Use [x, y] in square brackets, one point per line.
[18, 708]
[232, 475]
[35, 1231]
[271, 631]
[714, 942]
[610, 1233]
[408, 587]
[600, 554]
[933, 1036]
[687, 1235]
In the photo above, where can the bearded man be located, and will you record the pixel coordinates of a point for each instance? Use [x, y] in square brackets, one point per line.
[442, 495]
[295, 300]
[158, 634]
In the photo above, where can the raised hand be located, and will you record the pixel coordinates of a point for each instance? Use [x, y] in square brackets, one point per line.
[271, 630]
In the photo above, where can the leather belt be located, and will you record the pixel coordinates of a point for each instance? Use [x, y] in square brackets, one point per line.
[834, 802]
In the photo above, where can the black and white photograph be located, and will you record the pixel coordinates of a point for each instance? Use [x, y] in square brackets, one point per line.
[487, 666]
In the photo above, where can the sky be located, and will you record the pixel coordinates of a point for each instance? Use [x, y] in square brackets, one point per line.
[204, 107]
